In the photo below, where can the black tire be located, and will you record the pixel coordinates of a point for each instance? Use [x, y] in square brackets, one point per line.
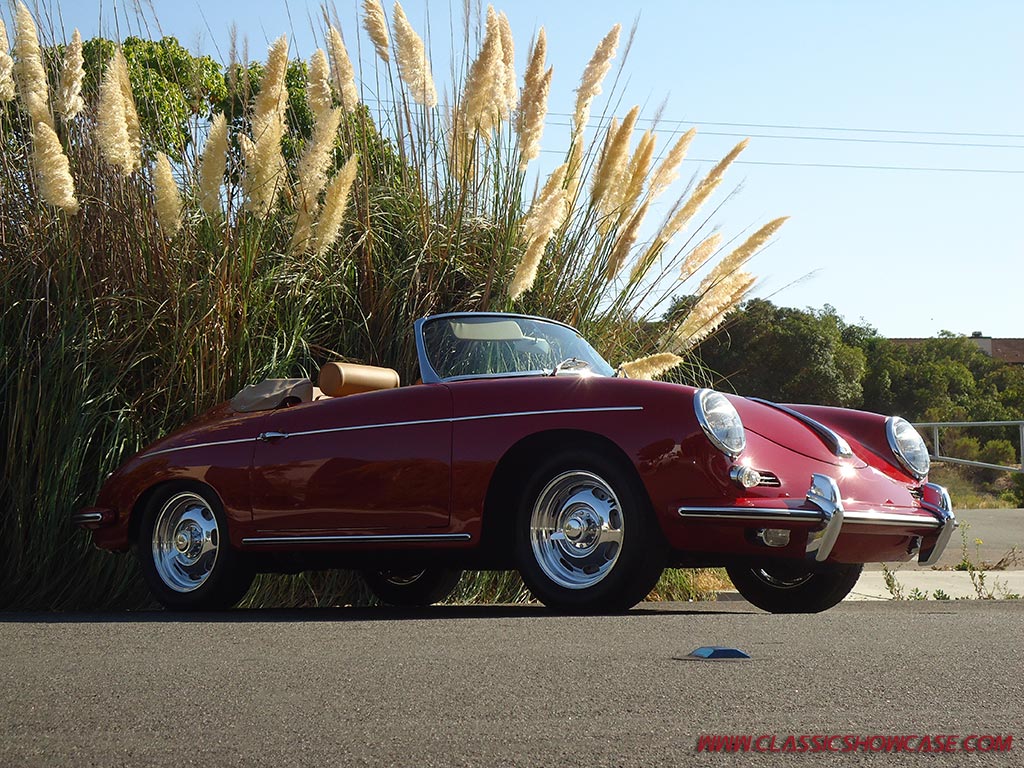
[783, 587]
[219, 576]
[586, 538]
[412, 588]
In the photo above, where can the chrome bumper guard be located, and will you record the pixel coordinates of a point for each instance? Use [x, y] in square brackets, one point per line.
[824, 494]
[936, 500]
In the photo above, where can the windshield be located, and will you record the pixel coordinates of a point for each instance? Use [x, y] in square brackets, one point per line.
[473, 345]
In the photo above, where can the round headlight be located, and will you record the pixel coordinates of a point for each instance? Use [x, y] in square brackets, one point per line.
[908, 446]
[720, 421]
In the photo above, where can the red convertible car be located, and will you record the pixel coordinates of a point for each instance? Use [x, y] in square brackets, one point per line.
[520, 448]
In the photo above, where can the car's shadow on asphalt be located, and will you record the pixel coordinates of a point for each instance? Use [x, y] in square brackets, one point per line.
[348, 614]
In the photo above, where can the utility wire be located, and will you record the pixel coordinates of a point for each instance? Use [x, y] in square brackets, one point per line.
[842, 139]
[1010, 171]
[844, 129]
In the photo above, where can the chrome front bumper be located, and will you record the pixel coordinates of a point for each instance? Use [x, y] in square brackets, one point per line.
[824, 494]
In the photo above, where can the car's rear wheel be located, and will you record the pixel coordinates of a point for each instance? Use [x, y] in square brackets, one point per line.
[586, 539]
[184, 552]
[783, 587]
[412, 587]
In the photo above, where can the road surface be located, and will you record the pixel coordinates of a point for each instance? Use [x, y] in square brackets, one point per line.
[503, 686]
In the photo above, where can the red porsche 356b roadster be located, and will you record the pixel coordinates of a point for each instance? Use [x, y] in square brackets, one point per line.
[520, 448]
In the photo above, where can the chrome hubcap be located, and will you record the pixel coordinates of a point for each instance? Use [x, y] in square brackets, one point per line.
[576, 529]
[402, 578]
[779, 579]
[185, 542]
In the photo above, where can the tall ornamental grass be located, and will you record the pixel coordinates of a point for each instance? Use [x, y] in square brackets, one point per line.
[173, 229]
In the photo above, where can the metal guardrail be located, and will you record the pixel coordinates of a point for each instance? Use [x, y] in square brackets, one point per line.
[935, 426]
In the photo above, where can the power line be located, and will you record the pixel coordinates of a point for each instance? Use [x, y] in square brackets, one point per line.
[1009, 171]
[857, 139]
[843, 129]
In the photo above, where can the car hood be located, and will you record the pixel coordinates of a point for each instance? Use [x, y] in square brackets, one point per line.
[791, 432]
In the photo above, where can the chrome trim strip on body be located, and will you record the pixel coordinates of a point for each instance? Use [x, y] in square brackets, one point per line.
[202, 445]
[835, 442]
[369, 537]
[447, 420]
[734, 513]
[803, 515]
[87, 517]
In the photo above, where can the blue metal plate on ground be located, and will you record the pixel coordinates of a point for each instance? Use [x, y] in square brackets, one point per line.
[718, 652]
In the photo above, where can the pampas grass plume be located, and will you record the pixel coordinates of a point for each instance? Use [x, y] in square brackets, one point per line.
[68, 101]
[376, 25]
[703, 191]
[636, 173]
[699, 256]
[607, 190]
[53, 172]
[739, 256]
[131, 115]
[6, 66]
[593, 75]
[29, 71]
[111, 123]
[484, 97]
[213, 164]
[168, 198]
[546, 214]
[508, 57]
[318, 88]
[334, 206]
[652, 366]
[311, 169]
[270, 101]
[342, 75]
[265, 165]
[668, 169]
[311, 175]
[711, 309]
[413, 64]
[624, 243]
[533, 104]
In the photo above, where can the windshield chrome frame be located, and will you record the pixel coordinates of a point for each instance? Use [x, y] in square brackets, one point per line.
[429, 376]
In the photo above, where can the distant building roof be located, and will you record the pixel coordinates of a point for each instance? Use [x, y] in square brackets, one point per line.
[1008, 350]
[1005, 350]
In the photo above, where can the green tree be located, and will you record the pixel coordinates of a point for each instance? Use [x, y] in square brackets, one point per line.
[174, 90]
[947, 378]
[790, 355]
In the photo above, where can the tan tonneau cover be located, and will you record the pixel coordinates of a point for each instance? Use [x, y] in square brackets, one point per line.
[271, 393]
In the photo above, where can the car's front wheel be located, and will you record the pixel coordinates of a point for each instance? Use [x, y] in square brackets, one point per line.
[184, 552]
[412, 588]
[586, 537]
[783, 587]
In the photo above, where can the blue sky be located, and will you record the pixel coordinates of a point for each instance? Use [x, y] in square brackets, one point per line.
[911, 252]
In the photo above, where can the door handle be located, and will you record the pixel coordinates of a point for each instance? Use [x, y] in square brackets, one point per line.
[268, 436]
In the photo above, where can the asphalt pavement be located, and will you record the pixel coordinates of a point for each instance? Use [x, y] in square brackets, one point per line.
[507, 686]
